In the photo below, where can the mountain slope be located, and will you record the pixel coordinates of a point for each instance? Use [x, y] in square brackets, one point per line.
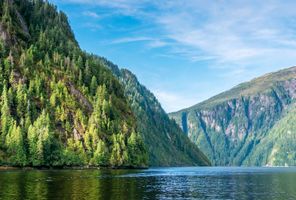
[230, 126]
[278, 147]
[165, 141]
[59, 105]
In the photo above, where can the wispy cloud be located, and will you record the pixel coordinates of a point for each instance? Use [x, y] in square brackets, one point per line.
[149, 41]
[127, 7]
[91, 14]
[239, 39]
[92, 26]
[228, 32]
[173, 101]
[130, 40]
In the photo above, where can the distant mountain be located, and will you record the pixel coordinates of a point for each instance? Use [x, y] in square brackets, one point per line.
[251, 124]
[165, 141]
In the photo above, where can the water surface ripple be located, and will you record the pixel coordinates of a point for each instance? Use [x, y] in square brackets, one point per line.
[155, 183]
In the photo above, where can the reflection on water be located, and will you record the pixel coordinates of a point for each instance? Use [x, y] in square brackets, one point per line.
[157, 183]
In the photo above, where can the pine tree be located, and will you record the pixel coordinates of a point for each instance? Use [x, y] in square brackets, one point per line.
[6, 120]
[7, 68]
[136, 149]
[80, 78]
[115, 159]
[21, 100]
[74, 153]
[101, 155]
[6, 18]
[87, 73]
[15, 146]
[93, 85]
[40, 137]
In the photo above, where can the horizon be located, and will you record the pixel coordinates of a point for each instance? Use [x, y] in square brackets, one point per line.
[187, 53]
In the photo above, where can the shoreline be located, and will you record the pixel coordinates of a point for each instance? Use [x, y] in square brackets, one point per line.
[7, 168]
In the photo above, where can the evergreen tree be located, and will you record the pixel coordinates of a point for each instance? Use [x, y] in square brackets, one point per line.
[6, 16]
[74, 153]
[93, 85]
[6, 120]
[15, 146]
[21, 101]
[40, 137]
[59, 105]
[101, 155]
[135, 146]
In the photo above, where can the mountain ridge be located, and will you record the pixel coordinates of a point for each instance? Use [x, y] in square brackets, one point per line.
[212, 100]
[229, 126]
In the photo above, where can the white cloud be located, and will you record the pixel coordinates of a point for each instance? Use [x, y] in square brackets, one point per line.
[239, 39]
[156, 43]
[127, 7]
[173, 101]
[91, 14]
[130, 40]
[150, 42]
[92, 26]
[227, 33]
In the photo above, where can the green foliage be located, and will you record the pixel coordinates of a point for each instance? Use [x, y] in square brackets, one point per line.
[165, 141]
[278, 147]
[135, 146]
[40, 138]
[6, 120]
[101, 155]
[59, 105]
[74, 153]
[15, 146]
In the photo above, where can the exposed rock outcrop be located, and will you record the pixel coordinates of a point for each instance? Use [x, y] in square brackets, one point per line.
[230, 126]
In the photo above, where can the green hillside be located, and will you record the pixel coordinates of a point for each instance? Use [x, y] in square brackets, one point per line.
[278, 147]
[232, 127]
[165, 141]
[59, 105]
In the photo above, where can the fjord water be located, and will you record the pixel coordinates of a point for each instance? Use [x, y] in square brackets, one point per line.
[156, 183]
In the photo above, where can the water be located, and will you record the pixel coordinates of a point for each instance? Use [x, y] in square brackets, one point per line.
[155, 183]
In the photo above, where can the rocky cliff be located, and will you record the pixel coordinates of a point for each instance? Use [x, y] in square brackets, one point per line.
[231, 127]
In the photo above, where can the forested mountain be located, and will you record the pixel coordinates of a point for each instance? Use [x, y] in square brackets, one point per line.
[278, 147]
[165, 141]
[59, 105]
[63, 107]
[251, 124]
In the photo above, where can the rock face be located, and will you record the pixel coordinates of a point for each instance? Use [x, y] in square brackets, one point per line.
[12, 39]
[230, 128]
[4, 36]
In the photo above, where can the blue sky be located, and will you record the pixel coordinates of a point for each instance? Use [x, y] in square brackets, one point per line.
[187, 51]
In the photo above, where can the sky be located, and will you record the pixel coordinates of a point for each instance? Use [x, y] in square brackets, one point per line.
[186, 51]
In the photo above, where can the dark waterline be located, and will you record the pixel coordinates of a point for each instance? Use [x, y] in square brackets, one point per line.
[156, 183]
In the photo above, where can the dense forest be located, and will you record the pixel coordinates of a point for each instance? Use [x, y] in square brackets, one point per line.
[59, 105]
